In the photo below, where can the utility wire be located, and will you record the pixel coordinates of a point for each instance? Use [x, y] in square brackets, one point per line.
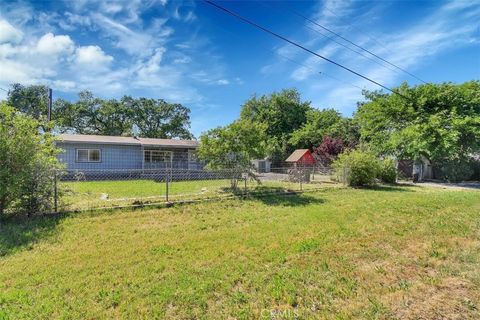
[369, 35]
[340, 43]
[4, 90]
[354, 44]
[300, 46]
[303, 65]
[319, 72]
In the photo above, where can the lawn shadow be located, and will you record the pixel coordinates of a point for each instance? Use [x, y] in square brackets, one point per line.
[278, 196]
[18, 233]
[392, 187]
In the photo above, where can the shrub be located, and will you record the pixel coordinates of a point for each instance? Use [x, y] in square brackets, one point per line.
[457, 169]
[27, 163]
[387, 171]
[328, 150]
[356, 168]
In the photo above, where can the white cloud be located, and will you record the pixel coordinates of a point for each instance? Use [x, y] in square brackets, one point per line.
[65, 85]
[149, 63]
[223, 82]
[9, 33]
[92, 58]
[49, 44]
[182, 60]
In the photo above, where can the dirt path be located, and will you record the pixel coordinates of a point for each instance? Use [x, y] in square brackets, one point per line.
[447, 185]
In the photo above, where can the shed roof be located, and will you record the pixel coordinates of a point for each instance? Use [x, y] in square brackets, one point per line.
[297, 155]
[83, 138]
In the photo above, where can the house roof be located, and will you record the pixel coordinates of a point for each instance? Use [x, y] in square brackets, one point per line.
[297, 155]
[82, 138]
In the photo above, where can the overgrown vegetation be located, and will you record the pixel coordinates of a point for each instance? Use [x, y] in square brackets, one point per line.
[27, 164]
[362, 168]
[382, 253]
[387, 171]
[357, 168]
[440, 122]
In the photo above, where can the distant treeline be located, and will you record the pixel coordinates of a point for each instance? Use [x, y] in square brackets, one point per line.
[151, 118]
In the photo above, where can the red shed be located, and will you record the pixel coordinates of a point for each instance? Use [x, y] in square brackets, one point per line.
[301, 157]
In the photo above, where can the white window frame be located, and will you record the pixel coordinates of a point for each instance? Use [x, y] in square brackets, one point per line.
[89, 151]
[167, 159]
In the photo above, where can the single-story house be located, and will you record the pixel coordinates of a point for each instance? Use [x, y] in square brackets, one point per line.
[94, 152]
[302, 157]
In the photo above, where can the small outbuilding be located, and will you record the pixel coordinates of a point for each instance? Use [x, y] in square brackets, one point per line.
[302, 157]
[262, 165]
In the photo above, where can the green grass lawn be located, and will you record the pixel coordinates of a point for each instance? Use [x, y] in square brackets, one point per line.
[88, 194]
[338, 253]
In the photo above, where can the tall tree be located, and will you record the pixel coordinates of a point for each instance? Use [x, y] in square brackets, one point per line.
[440, 122]
[31, 100]
[234, 145]
[321, 123]
[92, 115]
[156, 118]
[281, 113]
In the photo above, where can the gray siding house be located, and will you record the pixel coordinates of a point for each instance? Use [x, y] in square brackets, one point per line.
[93, 152]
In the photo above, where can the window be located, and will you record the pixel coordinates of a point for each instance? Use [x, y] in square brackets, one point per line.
[192, 155]
[88, 155]
[157, 156]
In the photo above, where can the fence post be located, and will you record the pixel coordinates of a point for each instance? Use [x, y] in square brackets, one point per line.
[55, 192]
[166, 187]
[246, 176]
[301, 178]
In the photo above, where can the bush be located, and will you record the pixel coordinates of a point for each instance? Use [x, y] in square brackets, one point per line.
[457, 170]
[27, 163]
[387, 171]
[356, 168]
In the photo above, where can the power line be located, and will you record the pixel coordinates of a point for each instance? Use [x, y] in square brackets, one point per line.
[319, 72]
[341, 44]
[4, 90]
[300, 46]
[322, 73]
[352, 43]
[358, 28]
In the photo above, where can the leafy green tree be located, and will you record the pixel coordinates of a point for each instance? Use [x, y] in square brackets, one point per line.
[440, 122]
[234, 145]
[281, 113]
[31, 100]
[321, 123]
[92, 115]
[156, 118]
[27, 161]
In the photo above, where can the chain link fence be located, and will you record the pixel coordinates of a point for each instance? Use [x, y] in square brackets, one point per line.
[93, 189]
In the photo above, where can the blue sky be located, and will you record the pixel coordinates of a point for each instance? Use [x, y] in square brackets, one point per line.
[191, 53]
